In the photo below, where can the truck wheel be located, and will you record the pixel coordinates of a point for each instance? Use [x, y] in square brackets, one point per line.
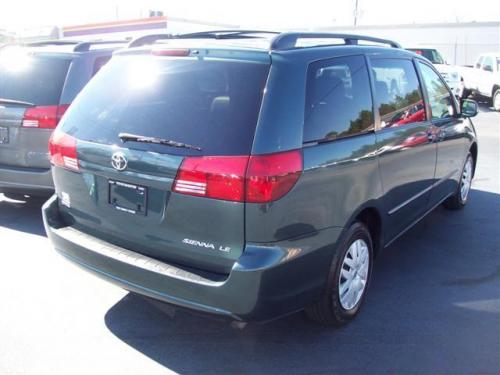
[348, 281]
[496, 100]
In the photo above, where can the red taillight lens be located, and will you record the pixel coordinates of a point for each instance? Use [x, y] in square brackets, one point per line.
[62, 150]
[44, 117]
[219, 177]
[270, 177]
[255, 179]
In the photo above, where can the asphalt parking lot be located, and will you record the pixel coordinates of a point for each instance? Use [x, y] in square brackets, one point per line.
[433, 307]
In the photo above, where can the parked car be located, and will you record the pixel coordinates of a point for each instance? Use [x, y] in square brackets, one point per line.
[247, 177]
[37, 84]
[450, 73]
[483, 78]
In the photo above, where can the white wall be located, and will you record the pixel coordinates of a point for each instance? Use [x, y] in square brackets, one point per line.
[460, 43]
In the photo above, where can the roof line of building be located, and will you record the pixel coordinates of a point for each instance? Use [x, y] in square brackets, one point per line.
[415, 25]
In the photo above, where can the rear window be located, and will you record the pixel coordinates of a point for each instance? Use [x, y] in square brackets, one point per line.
[210, 103]
[35, 79]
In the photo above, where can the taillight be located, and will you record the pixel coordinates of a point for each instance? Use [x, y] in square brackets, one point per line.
[270, 177]
[219, 177]
[255, 179]
[44, 117]
[62, 150]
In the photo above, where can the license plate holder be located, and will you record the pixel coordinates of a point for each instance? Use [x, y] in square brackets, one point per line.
[127, 197]
[4, 135]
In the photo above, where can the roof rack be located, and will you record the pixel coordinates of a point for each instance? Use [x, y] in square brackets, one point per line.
[213, 34]
[281, 41]
[85, 46]
[80, 46]
[148, 39]
[51, 43]
[286, 41]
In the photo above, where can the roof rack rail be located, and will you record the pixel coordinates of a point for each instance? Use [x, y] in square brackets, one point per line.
[80, 46]
[55, 42]
[148, 39]
[213, 34]
[286, 41]
[85, 46]
[226, 34]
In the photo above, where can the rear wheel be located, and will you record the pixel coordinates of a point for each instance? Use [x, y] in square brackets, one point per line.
[348, 280]
[496, 100]
[459, 199]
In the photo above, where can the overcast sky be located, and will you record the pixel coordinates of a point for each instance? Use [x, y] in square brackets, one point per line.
[19, 14]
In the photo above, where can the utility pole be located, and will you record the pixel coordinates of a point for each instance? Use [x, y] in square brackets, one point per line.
[356, 12]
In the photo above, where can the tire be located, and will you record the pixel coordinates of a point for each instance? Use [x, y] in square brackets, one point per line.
[496, 100]
[460, 198]
[331, 309]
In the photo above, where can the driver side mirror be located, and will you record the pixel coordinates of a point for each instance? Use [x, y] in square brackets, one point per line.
[469, 108]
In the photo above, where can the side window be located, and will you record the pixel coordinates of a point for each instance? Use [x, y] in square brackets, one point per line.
[99, 63]
[397, 92]
[488, 64]
[440, 99]
[479, 62]
[338, 99]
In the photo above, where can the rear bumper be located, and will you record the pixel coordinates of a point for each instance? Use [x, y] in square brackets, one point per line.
[37, 181]
[266, 282]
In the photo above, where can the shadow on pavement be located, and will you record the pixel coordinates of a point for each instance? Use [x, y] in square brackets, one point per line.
[432, 308]
[24, 216]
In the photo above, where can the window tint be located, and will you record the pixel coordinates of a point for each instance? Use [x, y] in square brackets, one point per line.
[338, 99]
[397, 92]
[440, 99]
[213, 104]
[33, 79]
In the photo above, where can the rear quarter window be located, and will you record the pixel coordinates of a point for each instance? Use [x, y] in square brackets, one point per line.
[35, 79]
[338, 99]
[210, 103]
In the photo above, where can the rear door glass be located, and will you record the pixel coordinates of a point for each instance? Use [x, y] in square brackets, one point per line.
[397, 91]
[35, 79]
[210, 103]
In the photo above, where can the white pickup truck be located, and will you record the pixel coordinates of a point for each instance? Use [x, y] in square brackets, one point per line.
[484, 78]
[450, 73]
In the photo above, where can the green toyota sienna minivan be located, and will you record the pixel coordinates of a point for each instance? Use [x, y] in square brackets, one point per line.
[254, 174]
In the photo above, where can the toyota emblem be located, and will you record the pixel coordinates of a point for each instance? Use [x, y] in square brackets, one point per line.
[119, 161]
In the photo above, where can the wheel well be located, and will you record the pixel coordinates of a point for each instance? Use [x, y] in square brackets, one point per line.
[371, 218]
[473, 151]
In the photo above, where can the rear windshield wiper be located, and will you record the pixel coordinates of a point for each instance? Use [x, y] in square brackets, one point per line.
[16, 102]
[126, 137]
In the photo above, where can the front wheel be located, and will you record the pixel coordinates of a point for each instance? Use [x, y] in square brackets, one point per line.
[348, 279]
[496, 100]
[459, 199]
